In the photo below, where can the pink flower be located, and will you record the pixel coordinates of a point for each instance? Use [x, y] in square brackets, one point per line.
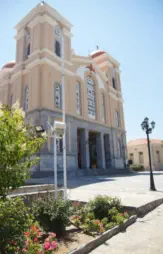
[121, 214]
[47, 245]
[53, 244]
[52, 234]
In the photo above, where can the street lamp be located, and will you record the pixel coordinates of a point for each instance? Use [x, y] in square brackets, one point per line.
[148, 127]
[39, 129]
[57, 130]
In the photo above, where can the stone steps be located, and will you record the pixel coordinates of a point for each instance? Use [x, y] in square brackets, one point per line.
[81, 172]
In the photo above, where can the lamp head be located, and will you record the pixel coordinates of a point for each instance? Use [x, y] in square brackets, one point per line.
[153, 124]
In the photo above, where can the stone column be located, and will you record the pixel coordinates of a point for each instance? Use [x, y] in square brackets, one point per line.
[100, 150]
[85, 160]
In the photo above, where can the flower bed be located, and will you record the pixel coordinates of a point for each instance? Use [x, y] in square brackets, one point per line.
[30, 227]
[99, 215]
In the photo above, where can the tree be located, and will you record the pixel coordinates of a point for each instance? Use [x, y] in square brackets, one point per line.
[19, 144]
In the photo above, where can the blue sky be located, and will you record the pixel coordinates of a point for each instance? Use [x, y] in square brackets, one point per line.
[129, 30]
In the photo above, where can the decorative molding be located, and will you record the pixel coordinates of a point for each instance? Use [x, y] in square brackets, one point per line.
[19, 35]
[67, 33]
[105, 63]
[56, 66]
[82, 60]
[51, 53]
[15, 76]
[113, 96]
[40, 10]
[110, 58]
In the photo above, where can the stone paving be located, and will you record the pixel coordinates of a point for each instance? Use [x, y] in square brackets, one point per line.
[143, 237]
[132, 189]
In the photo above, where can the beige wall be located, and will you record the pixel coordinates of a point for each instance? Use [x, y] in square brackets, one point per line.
[135, 150]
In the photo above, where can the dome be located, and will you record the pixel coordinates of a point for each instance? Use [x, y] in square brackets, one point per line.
[97, 53]
[9, 65]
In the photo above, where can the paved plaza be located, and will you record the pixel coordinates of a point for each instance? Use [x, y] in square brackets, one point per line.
[143, 237]
[132, 189]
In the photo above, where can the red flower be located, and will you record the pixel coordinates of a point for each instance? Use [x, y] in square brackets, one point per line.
[35, 239]
[121, 214]
[26, 233]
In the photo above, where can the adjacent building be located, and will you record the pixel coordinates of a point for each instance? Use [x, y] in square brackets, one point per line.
[138, 153]
[95, 129]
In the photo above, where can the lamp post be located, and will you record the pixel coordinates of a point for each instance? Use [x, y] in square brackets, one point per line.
[64, 119]
[148, 127]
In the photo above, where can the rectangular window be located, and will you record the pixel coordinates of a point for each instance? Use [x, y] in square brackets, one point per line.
[141, 158]
[28, 39]
[113, 79]
[158, 156]
[58, 48]
[131, 157]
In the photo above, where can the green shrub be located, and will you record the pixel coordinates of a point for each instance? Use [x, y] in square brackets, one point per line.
[101, 204]
[137, 167]
[15, 219]
[110, 225]
[52, 214]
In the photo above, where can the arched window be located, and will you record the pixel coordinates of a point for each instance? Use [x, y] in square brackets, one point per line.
[78, 98]
[117, 119]
[28, 46]
[58, 48]
[91, 98]
[103, 107]
[58, 103]
[113, 78]
[26, 98]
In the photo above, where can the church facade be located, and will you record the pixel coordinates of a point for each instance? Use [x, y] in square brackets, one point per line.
[95, 129]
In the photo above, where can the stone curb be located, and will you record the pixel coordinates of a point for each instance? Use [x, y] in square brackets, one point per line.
[86, 248]
[32, 188]
[144, 209]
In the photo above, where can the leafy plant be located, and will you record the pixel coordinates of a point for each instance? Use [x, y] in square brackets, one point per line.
[18, 144]
[52, 214]
[101, 204]
[137, 167]
[100, 214]
[15, 218]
